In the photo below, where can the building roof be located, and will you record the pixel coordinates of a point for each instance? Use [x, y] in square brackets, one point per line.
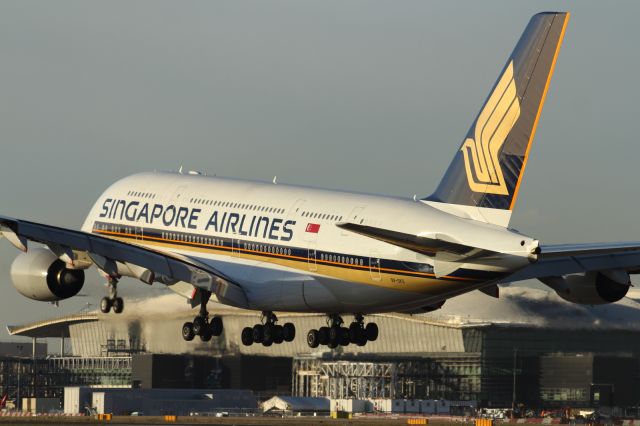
[55, 327]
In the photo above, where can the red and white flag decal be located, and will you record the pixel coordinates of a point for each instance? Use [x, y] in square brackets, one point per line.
[313, 228]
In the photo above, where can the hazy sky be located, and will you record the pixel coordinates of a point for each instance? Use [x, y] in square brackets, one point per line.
[361, 95]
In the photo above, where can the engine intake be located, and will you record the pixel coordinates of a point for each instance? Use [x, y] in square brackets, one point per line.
[591, 288]
[39, 275]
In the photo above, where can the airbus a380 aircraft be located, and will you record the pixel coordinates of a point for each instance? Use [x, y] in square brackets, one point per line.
[271, 247]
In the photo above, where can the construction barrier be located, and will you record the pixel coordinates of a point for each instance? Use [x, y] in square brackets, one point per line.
[418, 421]
[105, 417]
[170, 418]
[340, 415]
[484, 422]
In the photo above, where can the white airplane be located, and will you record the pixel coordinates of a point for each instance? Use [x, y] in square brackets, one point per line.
[272, 247]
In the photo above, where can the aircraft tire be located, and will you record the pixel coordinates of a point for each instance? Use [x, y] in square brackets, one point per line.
[205, 335]
[105, 305]
[355, 331]
[267, 342]
[199, 324]
[362, 340]
[288, 332]
[312, 338]
[258, 333]
[332, 345]
[118, 305]
[323, 335]
[334, 334]
[247, 336]
[269, 332]
[216, 326]
[278, 334]
[372, 331]
[187, 331]
[344, 336]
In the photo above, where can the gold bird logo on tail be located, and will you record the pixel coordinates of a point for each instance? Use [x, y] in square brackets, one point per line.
[492, 127]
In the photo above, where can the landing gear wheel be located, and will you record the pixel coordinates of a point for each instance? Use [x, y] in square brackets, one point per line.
[334, 334]
[247, 336]
[344, 336]
[118, 305]
[199, 324]
[267, 342]
[269, 332]
[372, 331]
[288, 332]
[312, 338]
[258, 333]
[205, 335]
[187, 331]
[323, 335]
[216, 326]
[105, 305]
[278, 334]
[332, 345]
[355, 332]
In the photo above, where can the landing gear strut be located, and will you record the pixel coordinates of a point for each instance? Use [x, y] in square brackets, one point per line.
[112, 300]
[268, 332]
[335, 334]
[201, 325]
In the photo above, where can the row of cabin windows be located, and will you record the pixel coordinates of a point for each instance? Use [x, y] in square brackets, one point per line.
[141, 194]
[253, 207]
[265, 248]
[322, 216]
[342, 259]
[116, 228]
[177, 236]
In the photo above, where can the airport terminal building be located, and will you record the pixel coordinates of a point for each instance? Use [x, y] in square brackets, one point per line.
[474, 349]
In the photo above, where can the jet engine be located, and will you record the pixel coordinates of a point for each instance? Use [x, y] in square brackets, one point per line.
[591, 288]
[39, 275]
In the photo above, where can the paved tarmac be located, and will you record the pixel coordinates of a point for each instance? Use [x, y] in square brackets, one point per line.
[240, 421]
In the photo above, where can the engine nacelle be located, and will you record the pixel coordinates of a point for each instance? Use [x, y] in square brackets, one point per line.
[591, 288]
[39, 275]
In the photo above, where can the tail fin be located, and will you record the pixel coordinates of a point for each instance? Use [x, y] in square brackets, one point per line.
[487, 170]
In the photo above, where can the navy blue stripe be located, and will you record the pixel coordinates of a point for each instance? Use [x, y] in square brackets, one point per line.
[277, 251]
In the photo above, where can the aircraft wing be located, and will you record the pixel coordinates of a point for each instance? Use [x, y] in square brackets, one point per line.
[427, 245]
[448, 254]
[563, 259]
[76, 246]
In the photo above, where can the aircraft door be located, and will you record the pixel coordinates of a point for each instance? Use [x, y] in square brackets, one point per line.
[235, 245]
[311, 260]
[374, 266]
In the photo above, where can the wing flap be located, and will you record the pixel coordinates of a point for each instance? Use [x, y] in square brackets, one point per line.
[102, 249]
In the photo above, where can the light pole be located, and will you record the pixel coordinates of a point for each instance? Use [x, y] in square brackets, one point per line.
[19, 402]
[513, 395]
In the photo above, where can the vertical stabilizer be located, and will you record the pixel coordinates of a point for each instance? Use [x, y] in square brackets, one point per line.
[483, 180]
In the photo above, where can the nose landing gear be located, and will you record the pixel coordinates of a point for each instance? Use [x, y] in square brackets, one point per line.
[268, 332]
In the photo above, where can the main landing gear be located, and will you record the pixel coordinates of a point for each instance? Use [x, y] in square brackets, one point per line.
[201, 325]
[268, 332]
[335, 334]
[112, 300]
